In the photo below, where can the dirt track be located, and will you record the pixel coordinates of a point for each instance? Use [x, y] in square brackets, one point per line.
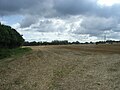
[76, 67]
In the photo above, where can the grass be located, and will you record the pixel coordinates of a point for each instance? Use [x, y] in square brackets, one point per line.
[6, 53]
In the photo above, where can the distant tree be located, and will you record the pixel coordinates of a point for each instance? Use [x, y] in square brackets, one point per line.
[77, 42]
[57, 42]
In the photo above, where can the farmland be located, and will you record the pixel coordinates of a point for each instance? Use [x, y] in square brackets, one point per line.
[64, 67]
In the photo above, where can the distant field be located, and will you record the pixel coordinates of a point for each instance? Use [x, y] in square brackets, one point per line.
[71, 67]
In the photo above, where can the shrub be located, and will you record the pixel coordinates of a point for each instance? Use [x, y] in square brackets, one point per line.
[9, 37]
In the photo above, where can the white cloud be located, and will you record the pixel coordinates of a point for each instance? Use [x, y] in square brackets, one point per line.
[108, 2]
[16, 26]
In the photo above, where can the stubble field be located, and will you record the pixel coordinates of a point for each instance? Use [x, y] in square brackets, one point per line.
[71, 67]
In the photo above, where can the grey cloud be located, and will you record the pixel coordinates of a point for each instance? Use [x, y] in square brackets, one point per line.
[85, 7]
[54, 8]
[74, 7]
[99, 23]
[117, 28]
[113, 35]
[43, 25]
[96, 26]
[8, 7]
[28, 21]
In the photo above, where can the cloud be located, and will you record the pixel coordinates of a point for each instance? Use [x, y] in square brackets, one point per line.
[10, 7]
[28, 20]
[65, 19]
[85, 7]
[96, 26]
[81, 28]
[75, 7]
[57, 8]
[24, 7]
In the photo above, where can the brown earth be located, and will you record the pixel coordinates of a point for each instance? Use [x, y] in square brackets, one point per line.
[72, 67]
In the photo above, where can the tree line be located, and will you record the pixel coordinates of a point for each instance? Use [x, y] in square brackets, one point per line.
[66, 42]
[9, 37]
[107, 42]
[55, 42]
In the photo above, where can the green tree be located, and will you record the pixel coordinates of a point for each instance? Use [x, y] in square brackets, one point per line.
[9, 37]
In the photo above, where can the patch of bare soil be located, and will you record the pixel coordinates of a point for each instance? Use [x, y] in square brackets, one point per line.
[73, 67]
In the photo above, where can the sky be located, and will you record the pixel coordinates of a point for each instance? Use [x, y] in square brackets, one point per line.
[72, 20]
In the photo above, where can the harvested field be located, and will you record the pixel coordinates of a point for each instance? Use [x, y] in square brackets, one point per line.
[71, 67]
